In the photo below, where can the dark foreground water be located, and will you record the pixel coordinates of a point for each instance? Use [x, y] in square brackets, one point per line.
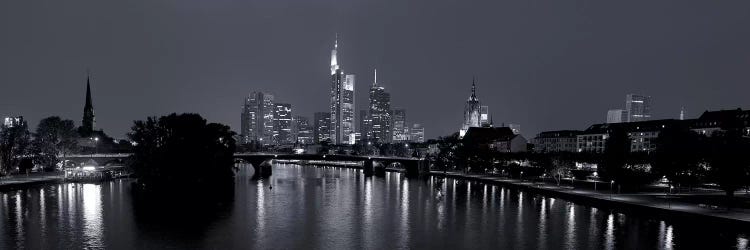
[333, 208]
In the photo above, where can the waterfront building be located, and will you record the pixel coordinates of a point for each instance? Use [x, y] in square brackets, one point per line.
[257, 118]
[322, 123]
[712, 121]
[472, 112]
[417, 133]
[642, 135]
[380, 113]
[341, 103]
[282, 124]
[638, 107]
[13, 121]
[617, 116]
[302, 131]
[556, 141]
[500, 139]
[400, 129]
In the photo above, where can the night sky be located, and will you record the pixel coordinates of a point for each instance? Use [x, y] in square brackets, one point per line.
[546, 65]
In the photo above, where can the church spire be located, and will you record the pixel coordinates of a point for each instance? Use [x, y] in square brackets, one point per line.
[473, 89]
[88, 108]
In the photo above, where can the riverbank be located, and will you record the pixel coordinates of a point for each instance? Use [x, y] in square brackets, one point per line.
[649, 203]
[34, 179]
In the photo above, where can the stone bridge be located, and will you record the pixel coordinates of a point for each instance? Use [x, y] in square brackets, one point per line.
[371, 165]
[262, 162]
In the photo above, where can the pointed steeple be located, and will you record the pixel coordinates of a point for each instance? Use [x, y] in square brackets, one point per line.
[89, 104]
[88, 123]
[473, 96]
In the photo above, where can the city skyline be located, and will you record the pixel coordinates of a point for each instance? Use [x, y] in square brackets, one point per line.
[523, 79]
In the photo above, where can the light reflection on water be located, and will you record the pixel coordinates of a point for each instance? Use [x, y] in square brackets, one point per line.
[335, 208]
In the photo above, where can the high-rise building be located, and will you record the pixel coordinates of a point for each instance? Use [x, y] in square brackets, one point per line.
[365, 125]
[617, 116]
[342, 103]
[282, 124]
[484, 116]
[257, 118]
[417, 133]
[472, 111]
[380, 108]
[638, 107]
[322, 123]
[400, 128]
[88, 124]
[682, 113]
[303, 132]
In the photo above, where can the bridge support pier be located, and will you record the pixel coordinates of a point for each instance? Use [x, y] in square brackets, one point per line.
[368, 167]
[263, 167]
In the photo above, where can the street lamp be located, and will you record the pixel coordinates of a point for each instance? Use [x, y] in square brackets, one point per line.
[611, 188]
[521, 176]
[96, 145]
[669, 202]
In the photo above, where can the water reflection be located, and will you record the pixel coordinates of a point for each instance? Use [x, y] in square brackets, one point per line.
[330, 208]
[92, 215]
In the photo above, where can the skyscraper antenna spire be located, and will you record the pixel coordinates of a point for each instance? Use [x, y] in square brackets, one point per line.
[375, 82]
[336, 42]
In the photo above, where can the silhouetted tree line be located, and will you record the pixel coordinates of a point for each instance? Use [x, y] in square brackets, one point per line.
[683, 156]
[53, 139]
[182, 148]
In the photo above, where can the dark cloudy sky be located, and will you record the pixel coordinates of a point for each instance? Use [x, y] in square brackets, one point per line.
[542, 64]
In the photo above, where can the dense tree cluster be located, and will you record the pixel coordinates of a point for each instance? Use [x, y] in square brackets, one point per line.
[15, 143]
[182, 148]
[53, 137]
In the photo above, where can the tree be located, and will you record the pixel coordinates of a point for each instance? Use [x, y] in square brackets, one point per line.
[182, 148]
[616, 151]
[728, 158]
[630, 170]
[53, 137]
[678, 155]
[14, 145]
[446, 155]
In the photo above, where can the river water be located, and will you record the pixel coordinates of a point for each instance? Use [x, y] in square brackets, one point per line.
[333, 208]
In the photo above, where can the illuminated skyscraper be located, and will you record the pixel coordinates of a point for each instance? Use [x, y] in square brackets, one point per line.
[638, 107]
[257, 118]
[365, 125]
[301, 130]
[617, 116]
[380, 113]
[484, 116]
[282, 124]
[417, 133]
[400, 128]
[321, 127]
[342, 103]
